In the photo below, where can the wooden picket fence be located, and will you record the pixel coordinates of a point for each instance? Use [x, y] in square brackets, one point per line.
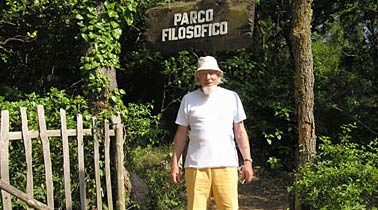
[110, 133]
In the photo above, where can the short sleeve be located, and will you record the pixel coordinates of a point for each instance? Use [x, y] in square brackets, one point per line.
[182, 117]
[240, 113]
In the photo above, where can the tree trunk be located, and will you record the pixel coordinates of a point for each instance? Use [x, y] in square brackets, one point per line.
[251, 12]
[304, 82]
[101, 102]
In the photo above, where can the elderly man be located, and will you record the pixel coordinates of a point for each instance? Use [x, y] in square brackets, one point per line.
[212, 117]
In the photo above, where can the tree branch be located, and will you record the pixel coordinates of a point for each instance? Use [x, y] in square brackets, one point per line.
[19, 38]
[356, 119]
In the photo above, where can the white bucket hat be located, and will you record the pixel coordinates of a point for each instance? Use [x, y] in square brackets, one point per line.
[208, 63]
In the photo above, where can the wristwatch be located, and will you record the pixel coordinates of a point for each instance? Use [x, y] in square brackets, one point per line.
[248, 159]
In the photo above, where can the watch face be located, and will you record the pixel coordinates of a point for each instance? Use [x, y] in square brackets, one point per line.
[250, 160]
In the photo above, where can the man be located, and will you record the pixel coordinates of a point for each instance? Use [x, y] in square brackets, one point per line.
[212, 117]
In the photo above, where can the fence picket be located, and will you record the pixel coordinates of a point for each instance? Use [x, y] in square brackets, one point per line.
[97, 165]
[46, 156]
[4, 157]
[28, 153]
[7, 190]
[80, 156]
[119, 165]
[66, 160]
[107, 166]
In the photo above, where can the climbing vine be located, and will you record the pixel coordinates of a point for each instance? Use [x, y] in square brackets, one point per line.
[101, 24]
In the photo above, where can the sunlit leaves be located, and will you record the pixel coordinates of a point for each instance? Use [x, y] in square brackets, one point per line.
[102, 30]
[343, 176]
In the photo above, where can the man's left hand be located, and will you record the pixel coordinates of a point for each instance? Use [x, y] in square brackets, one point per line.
[247, 172]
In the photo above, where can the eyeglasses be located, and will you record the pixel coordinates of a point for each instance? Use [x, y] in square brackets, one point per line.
[210, 73]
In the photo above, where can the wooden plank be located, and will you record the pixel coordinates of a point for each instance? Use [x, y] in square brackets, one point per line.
[17, 135]
[119, 165]
[80, 150]
[107, 166]
[66, 160]
[4, 157]
[46, 155]
[28, 153]
[97, 164]
[23, 196]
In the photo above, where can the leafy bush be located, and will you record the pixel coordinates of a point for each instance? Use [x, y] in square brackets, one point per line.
[341, 176]
[153, 166]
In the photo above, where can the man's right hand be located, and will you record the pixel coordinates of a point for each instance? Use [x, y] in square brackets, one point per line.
[179, 143]
[175, 175]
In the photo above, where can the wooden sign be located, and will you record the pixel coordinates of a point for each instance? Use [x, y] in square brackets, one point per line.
[207, 25]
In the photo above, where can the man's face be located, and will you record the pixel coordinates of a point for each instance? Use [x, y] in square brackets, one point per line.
[208, 78]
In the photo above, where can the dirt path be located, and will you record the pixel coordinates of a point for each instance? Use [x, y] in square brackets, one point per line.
[268, 191]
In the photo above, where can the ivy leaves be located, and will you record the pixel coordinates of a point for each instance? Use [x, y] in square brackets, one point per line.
[101, 28]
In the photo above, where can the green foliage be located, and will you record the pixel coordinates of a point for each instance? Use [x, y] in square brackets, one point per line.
[266, 98]
[179, 71]
[141, 129]
[344, 53]
[275, 163]
[97, 85]
[101, 29]
[38, 45]
[101, 24]
[179, 77]
[152, 164]
[342, 176]
[52, 102]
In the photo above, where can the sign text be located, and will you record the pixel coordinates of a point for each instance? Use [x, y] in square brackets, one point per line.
[194, 24]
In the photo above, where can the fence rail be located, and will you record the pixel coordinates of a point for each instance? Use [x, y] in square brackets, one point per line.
[64, 133]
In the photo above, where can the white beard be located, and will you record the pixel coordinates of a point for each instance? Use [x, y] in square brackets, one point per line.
[209, 90]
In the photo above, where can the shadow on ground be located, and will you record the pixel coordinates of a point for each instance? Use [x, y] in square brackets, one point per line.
[268, 191]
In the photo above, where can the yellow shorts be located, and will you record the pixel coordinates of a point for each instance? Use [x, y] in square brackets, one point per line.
[222, 183]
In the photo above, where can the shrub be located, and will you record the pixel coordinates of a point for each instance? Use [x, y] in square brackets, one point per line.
[153, 166]
[341, 176]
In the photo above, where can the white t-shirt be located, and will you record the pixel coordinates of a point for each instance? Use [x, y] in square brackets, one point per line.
[210, 120]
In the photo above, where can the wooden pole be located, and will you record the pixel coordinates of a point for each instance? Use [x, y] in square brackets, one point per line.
[80, 156]
[28, 153]
[107, 166]
[23, 196]
[46, 156]
[4, 157]
[96, 152]
[119, 164]
[66, 160]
